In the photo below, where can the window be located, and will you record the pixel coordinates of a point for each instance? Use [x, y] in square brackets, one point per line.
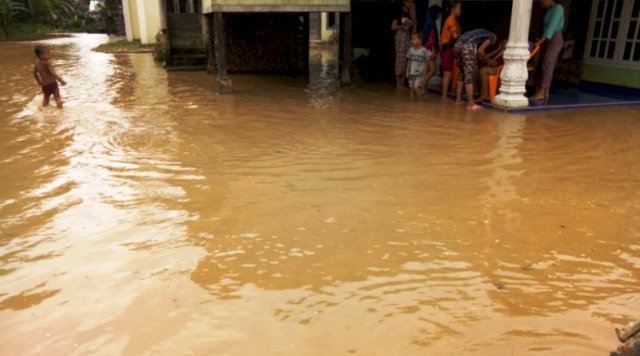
[632, 38]
[614, 35]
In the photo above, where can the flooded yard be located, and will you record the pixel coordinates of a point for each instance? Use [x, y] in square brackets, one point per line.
[154, 217]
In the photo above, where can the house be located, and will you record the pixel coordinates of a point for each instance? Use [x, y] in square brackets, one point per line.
[612, 51]
[143, 19]
[273, 35]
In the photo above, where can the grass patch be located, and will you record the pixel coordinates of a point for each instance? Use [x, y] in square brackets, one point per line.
[124, 46]
[32, 32]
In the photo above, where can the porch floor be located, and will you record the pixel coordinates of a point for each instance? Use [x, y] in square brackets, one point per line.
[591, 97]
[574, 99]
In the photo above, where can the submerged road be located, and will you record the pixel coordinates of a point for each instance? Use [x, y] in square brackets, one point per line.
[154, 217]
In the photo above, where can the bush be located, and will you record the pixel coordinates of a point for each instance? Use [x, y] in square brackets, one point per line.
[159, 54]
[76, 24]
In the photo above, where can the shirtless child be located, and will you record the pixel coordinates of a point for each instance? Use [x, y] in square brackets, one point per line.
[46, 76]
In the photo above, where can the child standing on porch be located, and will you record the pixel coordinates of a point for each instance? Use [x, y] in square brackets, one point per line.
[417, 58]
[46, 76]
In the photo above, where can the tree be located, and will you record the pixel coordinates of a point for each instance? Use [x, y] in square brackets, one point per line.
[8, 10]
[57, 10]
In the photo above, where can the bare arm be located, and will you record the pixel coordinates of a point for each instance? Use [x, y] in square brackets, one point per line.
[54, 74]
[483, 55]
[425, 66]
[395, 26]
[412, 12]
[35, 75]
[455, 32]
[495, 53]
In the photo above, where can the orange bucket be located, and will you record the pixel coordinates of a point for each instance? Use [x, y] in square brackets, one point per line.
[494, 84]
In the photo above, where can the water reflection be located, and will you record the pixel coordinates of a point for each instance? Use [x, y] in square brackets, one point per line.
[154, 216]
[324, 81]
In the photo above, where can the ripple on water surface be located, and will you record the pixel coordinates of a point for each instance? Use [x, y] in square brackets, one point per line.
[293, 217]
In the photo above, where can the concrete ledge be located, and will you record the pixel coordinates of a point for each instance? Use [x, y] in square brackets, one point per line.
[541, 107]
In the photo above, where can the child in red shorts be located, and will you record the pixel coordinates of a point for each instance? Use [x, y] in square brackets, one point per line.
[46, 76]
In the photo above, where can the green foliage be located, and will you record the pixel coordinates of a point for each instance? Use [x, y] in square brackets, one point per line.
[9, 9]
[124, 46]
[159, 54]
[28, 16]
[55, 13]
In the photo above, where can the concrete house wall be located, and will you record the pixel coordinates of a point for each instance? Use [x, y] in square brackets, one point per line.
[142, 19]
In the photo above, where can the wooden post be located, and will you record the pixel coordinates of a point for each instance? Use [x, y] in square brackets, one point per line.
[206, 40]
[346, 50]
[306, 38]
[224, 83]
[166, 45]
[210, 43]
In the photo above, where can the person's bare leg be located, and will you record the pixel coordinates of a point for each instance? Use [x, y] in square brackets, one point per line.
[399, 81]
[471, 105]
[427, 78]
[45, 101]
[459, 92]
[446, 78]
[58, 99]
[541, 94]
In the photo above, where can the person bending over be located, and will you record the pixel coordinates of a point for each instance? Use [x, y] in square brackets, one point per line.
[470, 47]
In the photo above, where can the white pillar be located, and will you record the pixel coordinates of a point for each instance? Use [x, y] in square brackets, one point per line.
[142, 21]
[127, 20]
[514, 75]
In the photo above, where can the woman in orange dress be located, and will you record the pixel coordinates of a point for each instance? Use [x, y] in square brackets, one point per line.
[450, 33]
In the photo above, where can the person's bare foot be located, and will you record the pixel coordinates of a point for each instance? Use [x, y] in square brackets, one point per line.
[473, 107]
[541, 95]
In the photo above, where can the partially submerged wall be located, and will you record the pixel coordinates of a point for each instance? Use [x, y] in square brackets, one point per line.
[266, 42]
[624, 77]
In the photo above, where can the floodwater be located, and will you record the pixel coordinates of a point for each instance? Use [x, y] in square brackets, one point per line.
[154, 217]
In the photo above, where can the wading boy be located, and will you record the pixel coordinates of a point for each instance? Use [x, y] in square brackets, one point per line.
[417, 64]
[46, 76]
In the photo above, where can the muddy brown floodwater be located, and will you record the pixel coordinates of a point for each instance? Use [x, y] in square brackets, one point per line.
[154, 217]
